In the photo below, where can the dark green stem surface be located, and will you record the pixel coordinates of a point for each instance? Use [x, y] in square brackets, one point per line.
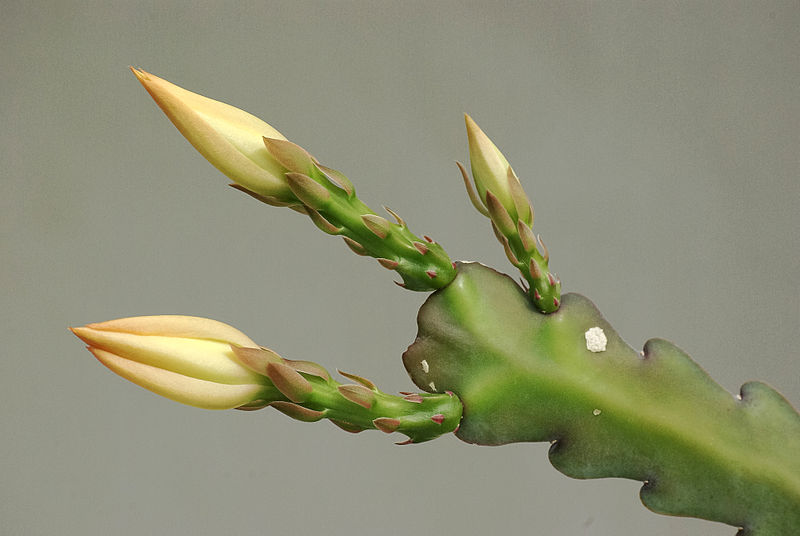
[654, 416]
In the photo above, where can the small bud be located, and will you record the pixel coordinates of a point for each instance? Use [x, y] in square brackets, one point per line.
[308, 367]
[309, 191]
[489, 167]
[358, 394]
[397, 218]
[414, 397]
[545, 253]
[499, 214]
[535, 271]
[497, 234]
[422, 248]
[230, 138]
[438, 418]
[509, 253]
[338, 178]
[298, 412]
[526, 236]
[183, 358]
[347, 426]
[363, 381]
[379, 226]
[473, 197]
[386, 424]
[357, 248]
[520, 198]
[388, 263]
[256, 359]
[322, 223]
[272, 201]
[290, 155]
[289, 382]
[254, 405]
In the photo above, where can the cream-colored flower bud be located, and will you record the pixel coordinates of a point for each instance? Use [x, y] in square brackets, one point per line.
[492, 172]
[184, 358]
[230, 138]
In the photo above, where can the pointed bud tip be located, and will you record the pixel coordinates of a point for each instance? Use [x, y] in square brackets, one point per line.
[471, 124]
[414, 397]
[358, 394]
[363, 381]
[379, 226]
[289, 382]
[140, 74]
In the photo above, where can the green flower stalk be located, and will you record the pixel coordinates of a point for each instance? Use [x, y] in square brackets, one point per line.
[500, 198]
[265, 165]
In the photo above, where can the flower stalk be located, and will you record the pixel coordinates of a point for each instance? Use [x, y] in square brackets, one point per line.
[208, 364]
[500, 198]
[264, 164]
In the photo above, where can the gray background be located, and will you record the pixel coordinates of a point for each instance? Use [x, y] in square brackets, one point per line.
[657, 140]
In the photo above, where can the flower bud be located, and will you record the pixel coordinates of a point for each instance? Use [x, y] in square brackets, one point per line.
[230, 138]
[183, 358]
[492, 172]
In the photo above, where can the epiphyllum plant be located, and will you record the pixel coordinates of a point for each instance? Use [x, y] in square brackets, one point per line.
[496, 362]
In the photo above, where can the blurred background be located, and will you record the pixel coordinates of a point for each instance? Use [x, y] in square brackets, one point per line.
[658, 142]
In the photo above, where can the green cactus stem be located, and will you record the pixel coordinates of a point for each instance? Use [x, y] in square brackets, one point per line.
[309, 394]
[608, 410]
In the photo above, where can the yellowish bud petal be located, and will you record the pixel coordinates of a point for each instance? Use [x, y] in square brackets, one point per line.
[489, 167]
[186, 359]
[230, 138]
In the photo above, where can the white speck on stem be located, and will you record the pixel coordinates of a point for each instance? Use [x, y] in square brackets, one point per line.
[432, 386]
[596, 412]
[425, 367]
[596, 340]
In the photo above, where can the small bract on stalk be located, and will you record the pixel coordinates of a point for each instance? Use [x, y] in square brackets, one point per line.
[264, 164]
[500, 198]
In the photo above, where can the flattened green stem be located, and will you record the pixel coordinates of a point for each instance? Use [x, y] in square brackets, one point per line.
[309, 394]
[610, 411]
